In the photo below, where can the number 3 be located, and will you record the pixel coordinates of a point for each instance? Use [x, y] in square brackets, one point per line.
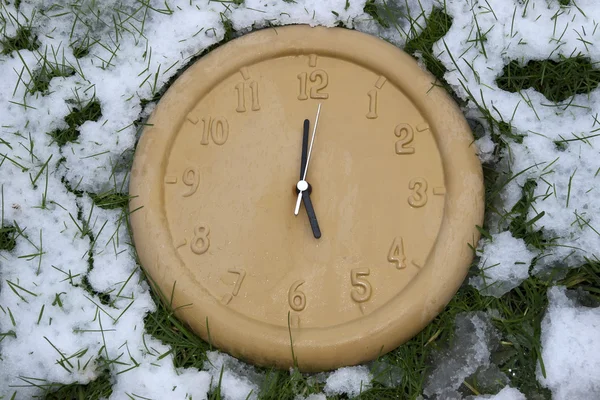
[418, 197]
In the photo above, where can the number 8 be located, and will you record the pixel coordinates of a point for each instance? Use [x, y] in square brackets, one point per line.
[200, 243]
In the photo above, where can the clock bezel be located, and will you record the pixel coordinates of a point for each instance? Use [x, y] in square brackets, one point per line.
[315, 349]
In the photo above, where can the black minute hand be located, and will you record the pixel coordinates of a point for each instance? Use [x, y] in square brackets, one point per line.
[303, 187]
[304, 148]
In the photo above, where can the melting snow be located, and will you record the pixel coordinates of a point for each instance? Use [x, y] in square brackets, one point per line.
[53, 330]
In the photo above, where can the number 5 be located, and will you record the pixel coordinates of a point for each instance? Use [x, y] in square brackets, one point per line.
[362, 288]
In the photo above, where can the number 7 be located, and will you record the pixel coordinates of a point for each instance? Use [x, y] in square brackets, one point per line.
[237, 285]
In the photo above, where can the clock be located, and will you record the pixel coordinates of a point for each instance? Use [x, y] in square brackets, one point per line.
[306, 196]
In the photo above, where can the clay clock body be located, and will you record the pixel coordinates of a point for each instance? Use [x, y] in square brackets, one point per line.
[395, 187]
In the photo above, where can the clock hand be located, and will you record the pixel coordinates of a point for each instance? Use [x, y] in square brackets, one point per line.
[302, 185]
[312, 218]
[304, 148]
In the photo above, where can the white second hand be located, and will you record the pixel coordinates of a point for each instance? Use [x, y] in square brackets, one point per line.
[312, 140]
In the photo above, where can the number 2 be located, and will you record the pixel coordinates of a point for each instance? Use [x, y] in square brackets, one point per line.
[406, 134]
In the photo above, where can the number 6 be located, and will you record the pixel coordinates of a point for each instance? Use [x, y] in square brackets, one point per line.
[296, 298]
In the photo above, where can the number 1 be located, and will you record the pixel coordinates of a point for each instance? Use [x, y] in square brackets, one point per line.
[372, 114]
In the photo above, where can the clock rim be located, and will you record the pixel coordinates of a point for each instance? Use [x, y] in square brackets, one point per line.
[316, 349]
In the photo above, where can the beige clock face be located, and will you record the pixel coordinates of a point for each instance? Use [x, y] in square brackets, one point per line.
[396, 191]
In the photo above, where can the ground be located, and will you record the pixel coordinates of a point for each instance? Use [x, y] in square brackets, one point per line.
[77, 316]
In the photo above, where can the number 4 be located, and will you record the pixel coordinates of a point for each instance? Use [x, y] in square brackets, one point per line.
[396, 254]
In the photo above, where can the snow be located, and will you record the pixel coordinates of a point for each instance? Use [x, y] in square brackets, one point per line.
[470, 350]
[502, 270]
[570, 348]
[238, 381]
[349, 380]
[400, 16]
[54, 330]
[524, 31]
[507, 393]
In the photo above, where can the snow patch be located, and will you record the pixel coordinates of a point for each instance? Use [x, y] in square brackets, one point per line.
[570, 348]
[504, 264]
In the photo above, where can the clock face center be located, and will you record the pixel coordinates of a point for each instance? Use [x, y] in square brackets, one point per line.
[357, 261]
[372, 178]
[302, 186]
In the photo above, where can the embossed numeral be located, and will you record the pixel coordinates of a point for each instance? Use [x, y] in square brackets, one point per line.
[396, 254]
[236, 286]
[241, 96]
[302, 95]
[315, 91]
[372, 114]
[418, 196]
[296, 298]
[191, 180]
[200, 242]
[217, 129]
[373, 93]
[320, 80]
[406, 134]
[362, 288]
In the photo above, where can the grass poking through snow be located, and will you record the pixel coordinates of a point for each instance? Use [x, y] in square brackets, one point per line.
[517, 314]
[80, 113]
[558, 81]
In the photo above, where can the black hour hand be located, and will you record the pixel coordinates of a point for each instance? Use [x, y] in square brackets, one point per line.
[310, 211]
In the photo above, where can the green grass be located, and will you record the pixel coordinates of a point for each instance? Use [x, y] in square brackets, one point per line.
[520, 226]
[372, 9]
[79, 114]
[519, 312]
[110, 200]
[438, 24]
[188, 350]
[24, 39]
[40, 81]
[557, 81]
[8, 237]
[99, 388]
[81, 47]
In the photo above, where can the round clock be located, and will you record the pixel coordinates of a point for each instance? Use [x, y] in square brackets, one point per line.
[306, 196]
